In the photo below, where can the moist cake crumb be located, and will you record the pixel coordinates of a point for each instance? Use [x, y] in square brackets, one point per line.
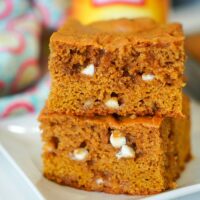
[142, 65]
[148, 161]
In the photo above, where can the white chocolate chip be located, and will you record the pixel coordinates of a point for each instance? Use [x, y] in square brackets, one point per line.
[80, 154]
[89, 103]
[133, 116]
[112, 103]
[125, 152]
[49, 147]
[89, 70]
[117, 139]
[99, 181]
[148, 77]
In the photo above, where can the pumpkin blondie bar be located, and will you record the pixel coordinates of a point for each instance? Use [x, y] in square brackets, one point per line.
[118, 66]
[142, 155]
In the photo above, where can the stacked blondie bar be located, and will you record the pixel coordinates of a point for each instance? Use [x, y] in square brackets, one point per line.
[116, 119]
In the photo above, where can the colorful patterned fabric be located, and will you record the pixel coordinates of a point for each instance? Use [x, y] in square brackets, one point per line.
[21, 23]
[32, 100]
[19, 52]
[52, 12]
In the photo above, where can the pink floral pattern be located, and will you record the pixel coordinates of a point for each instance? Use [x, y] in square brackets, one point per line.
[17, 107]
[8, 6]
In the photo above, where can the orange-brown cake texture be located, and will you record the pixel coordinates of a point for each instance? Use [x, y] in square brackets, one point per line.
[142, 155]
[118, 66]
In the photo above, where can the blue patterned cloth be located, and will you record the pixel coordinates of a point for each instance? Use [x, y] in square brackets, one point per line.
[21, 23]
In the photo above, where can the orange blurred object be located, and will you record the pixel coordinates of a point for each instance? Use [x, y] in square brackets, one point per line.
[93, 10]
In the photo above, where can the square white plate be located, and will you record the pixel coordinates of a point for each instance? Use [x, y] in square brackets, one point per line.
[20, 144]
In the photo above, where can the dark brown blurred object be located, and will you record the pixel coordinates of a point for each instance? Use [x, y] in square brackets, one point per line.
[192, 45]
[44, 50]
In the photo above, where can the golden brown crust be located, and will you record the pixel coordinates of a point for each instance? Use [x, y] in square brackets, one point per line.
[112, 34]
[109, 119]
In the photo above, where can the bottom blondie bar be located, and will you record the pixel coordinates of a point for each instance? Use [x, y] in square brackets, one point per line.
[116, 155]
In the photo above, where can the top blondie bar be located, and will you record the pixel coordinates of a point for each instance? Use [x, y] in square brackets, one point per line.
[123, 67]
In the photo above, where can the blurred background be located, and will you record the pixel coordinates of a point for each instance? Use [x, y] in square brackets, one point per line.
[26, 25]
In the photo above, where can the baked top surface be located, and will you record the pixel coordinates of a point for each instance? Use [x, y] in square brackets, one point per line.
[114, 33]
[154, 122]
